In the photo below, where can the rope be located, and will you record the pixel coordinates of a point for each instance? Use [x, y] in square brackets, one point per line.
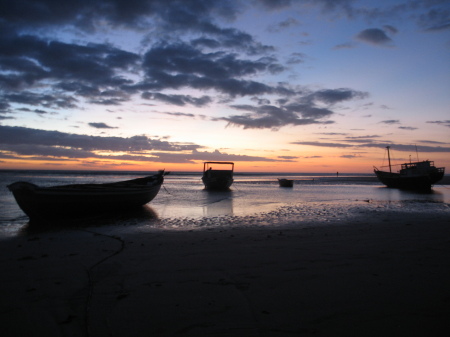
[89, 274]
[165, 189]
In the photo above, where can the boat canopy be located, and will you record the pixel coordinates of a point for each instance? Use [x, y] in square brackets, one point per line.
[422, 164]
[208, 165]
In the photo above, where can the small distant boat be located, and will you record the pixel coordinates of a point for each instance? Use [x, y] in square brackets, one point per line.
[78, 200]
[285, 182]
[214, 179]
[420, 175]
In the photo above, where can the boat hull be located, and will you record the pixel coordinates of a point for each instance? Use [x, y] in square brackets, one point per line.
[217, 183]
[77, 201]
[217, 179]
[419, 182]
[286, 182]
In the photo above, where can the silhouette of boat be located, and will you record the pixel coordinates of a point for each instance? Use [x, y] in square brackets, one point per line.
[420, 175]
[214, 179]
[285, 182]
[78, 200]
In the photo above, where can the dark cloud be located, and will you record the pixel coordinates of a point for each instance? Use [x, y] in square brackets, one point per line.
[179, 114]
[34, 59]
[333, 133]
[432, 142]
[410, 128]
[333, 96]
[444, 123]
[275, 4]
[391, 121]
[217, 155]
[179, 100]
[174, 66]
[362, 137]
[90, 15]
[67, 71]
[261, 101]
[380, 145]
[272, 117]
[300, 110]
[296, 58]
[42, 100]
[101, 126]
[359, 139]
[289, 22]
[36, 111]
[390, 29]
[206, 42]
[93, 71]
[325, 5]
[321, 144]
[350, 156]
[374, 36]
[55, 139]
[436, 19]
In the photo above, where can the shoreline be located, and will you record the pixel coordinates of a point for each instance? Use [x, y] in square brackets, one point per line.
[368, 277]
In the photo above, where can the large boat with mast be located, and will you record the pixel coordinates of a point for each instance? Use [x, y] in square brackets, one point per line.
[419, 175]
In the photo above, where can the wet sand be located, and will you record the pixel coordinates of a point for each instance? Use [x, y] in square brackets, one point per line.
[378, 276]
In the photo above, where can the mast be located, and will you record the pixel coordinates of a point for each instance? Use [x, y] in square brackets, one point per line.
[389, 159]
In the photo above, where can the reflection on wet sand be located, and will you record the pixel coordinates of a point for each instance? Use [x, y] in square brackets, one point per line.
[144, 215]
[393, 194]
[218, 203]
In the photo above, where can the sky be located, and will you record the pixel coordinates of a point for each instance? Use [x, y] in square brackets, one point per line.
[273, 85]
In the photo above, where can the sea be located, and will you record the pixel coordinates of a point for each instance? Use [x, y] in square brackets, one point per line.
[255, 199]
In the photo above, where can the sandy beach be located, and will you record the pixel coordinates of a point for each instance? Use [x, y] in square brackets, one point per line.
[374, 277]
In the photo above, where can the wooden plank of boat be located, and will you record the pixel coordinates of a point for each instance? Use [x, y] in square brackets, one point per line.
[78, 200]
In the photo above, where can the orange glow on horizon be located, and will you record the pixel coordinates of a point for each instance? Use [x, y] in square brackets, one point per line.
[306, 161]
[302, 166]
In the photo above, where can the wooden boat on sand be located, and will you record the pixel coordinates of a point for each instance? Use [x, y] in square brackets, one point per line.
[420, 175]
[78, 200]
[215, 179]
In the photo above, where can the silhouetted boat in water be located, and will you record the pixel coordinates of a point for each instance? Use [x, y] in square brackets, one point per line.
[78, 200]
[285, 182]
[214, 179]
[420, 175]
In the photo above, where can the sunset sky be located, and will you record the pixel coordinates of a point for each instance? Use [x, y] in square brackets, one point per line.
[273, 85]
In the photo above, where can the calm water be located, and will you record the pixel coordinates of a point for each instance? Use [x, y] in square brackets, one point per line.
[183, 202]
